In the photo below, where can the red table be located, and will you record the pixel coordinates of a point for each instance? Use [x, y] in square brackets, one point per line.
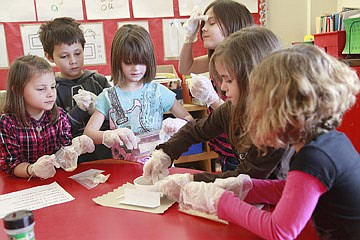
[82, 218]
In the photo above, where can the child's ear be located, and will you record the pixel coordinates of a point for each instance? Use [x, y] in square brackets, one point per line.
[50, 58]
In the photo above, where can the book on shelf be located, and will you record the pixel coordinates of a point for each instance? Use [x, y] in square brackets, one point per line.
[335, 21]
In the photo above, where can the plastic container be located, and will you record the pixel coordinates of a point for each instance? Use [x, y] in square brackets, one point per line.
[352, 28]
[19, 225]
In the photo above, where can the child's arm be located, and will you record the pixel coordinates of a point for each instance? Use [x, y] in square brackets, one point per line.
[180, 112]
[93, 126]
[299, 198]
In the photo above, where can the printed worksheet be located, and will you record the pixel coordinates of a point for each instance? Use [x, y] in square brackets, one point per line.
[33, 198]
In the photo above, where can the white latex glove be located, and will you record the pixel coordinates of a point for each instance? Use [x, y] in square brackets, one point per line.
[83, 144]
[201, 88]
[156, 168]
[120, 137]
[85, 101]
[44, 167]
[201, 196]
[66, 158]
[192, 24]
[239, 185]
[171, 185]
[170, 126]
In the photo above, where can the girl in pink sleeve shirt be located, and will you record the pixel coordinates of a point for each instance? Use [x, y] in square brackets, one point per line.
[298, 96]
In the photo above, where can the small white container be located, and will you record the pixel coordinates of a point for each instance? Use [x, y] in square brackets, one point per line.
[19, 225]
[143, 184]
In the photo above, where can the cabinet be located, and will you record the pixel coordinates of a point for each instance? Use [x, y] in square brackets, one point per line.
[201, 161]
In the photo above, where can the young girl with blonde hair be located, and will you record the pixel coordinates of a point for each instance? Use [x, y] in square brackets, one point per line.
[297, 96]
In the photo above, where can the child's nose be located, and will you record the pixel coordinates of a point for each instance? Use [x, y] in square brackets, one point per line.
[72, 59]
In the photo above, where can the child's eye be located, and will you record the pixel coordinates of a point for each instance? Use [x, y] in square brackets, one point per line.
[63, 56]
[40, 89]
[78, 54]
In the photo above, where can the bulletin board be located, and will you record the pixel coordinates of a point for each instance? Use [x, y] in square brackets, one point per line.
[20, 21]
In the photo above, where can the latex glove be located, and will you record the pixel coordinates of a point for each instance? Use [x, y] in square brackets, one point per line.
[83, 144]
[171, 185]
[239, 185]
[202, 89]
[156, 168]
[170, 126]
[192, 24]
[44, 167]
[85, 101]
[120, 137]
[66, 158]
[201, 196]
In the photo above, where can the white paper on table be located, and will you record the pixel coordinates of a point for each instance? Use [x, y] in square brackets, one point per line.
[141, 198]
[113, 199]
[33, 198]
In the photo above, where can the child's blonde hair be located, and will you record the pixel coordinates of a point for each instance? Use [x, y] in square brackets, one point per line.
[297, 94]
[240, 53]
[132, 44]
[21, 72]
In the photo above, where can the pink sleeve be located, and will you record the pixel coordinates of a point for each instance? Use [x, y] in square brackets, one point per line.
[265, 191]
[293, 211]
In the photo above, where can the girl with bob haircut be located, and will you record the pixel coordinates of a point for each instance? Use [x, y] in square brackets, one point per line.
[297, 96]
[135, 104]
[32, 127]
[231, 64]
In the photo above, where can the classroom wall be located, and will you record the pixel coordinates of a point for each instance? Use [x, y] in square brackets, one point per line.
[347, 3]
[15, 46]
[291, 20]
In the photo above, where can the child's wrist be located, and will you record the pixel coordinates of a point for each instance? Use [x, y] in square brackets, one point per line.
[30, 170]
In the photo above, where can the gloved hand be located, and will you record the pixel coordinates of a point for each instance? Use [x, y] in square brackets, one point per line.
[156, 167]
[239, 185]
[192, 24]
[66, 158]
[202, 89]
[170, 126]
[83, 144]
[200, 196]
[171, 185]
[85, 101]
[44, 167]
[120, 137]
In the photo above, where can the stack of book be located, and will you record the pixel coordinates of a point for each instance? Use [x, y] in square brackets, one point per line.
[335, 21]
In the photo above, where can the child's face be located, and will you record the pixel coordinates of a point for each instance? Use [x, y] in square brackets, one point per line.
[133, 72]
[40, 94]
[229, 83]
[211, 32]
[69, 59]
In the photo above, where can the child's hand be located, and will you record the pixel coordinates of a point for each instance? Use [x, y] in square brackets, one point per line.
[66, 158]
[171, 185]
[239, 185]
[170, 126]
[201, 88]
[85, 101]
[83, 144]
[120, 137]
[44, 167]
[192, 24]
[156, 168]
[201, 196]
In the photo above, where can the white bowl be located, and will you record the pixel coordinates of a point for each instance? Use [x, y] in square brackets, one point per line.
[142, 183]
